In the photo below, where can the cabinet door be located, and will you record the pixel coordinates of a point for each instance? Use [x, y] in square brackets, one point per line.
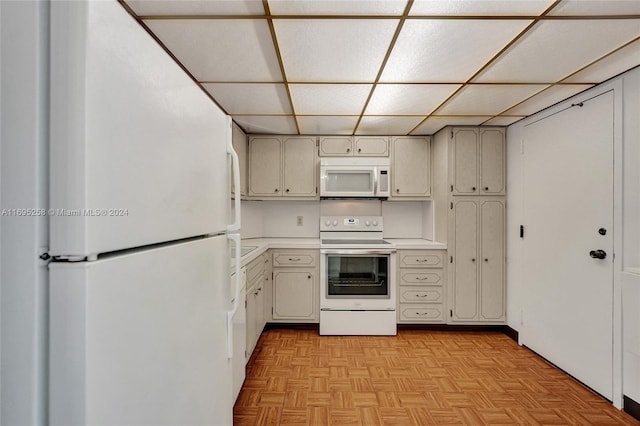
[239, 140]
[251, 320]
[294, 294]
[465, 161]
[300, 169]
[465, 261]
[492, 162]
[336, 146]
[411, 167]
[371, 146]
[265, 166]
[492, 261]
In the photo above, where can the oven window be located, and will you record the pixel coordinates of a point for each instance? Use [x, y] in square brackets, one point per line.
[358, 275]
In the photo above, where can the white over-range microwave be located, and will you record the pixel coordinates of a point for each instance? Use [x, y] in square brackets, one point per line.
[366, 177]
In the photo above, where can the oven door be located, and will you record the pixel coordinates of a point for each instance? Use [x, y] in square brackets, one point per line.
[357, 280]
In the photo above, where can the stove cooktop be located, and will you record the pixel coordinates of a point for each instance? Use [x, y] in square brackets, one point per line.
[347, 242]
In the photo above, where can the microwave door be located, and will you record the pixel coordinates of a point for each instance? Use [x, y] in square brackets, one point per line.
[349, 183]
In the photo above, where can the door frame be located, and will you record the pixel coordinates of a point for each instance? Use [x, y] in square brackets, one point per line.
[616, 87]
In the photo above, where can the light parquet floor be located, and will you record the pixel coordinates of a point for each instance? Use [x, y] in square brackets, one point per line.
[297, 377]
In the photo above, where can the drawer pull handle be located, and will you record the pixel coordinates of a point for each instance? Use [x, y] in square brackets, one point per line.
[422, 313]
[422, 260]
[294, 259]
[422, 295]
[422, 278]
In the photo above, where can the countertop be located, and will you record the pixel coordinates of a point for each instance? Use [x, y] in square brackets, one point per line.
[263, 244]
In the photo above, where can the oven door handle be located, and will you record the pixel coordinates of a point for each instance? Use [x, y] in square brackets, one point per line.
[358, 251]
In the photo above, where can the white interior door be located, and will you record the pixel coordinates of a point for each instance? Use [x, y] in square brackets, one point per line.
[568, 198]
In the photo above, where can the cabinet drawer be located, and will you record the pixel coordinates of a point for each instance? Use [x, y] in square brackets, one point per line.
[256, 267]
[424, 313]
[421, 294]
[422, 259]
[294, 259]
[421, 277]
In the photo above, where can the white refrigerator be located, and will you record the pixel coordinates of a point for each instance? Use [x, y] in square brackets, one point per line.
[140, 305]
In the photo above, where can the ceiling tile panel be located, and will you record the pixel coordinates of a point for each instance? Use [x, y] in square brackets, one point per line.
[408, 99]
[337, 7]
[323, 50]
[327, 125]
[434, 123]
[255, 124]
[447, 51]
[329, 99]
[196, 7]
[480, 8]
[546, 98]
[221, 49]
[489, 99]
[612, 65]
[377, 125]
[502, 121]
[596, 7]
[250, 98]
[554, 49]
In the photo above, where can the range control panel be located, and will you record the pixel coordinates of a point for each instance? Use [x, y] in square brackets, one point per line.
[351, 223]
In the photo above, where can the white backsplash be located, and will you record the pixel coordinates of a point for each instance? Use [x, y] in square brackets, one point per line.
[407, 219]
[279, 219]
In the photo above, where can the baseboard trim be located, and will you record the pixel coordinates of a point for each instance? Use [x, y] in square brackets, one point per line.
[512, 333]
[631, 407]
[291, 325]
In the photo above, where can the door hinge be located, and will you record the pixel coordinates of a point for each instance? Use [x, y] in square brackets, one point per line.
[451, 188]
[452, 205]
[451, 313]
[272, 310]
[452, 133]
[521, 231]
[451, 259]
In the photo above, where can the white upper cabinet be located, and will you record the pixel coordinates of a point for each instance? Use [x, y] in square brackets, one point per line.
[477, 161]
[282, 166]
[265, 166]
[240, 145]
[410, 167]
[346, 146]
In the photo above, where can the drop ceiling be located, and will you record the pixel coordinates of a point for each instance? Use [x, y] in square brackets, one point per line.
[391, 67]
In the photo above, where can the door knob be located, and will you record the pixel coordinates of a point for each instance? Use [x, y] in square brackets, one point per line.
[598, 254]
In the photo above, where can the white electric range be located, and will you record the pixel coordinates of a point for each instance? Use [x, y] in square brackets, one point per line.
[357, 277]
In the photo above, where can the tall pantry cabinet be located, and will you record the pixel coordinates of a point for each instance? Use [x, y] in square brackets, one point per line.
[469, 202]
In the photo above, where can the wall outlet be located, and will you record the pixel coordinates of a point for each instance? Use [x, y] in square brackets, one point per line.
[299, 221]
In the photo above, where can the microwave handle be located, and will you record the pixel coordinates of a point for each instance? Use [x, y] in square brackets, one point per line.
[376, 173]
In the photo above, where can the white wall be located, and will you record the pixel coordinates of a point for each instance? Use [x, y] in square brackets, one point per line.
[630, 265]
[627, 279]
[23, 277]
[279, 219]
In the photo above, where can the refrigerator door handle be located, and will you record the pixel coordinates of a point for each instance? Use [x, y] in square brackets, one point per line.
[236, 300]
[235, 161]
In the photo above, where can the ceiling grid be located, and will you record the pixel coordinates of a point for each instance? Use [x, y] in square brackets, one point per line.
[382, 67]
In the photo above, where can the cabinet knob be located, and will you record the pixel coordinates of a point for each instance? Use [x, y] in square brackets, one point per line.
[486, 188]
[348, 149]
[397, 190]
[308, 277]
[473, 259]
[287, 190]
[276, 190]
[486, 260]
[473, 188]
[359, 149]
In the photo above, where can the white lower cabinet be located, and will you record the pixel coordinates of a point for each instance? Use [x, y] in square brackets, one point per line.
[421, 289]
[477, 263]
[258, 280]
[295, 286]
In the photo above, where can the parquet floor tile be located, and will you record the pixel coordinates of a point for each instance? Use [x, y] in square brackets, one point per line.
[297, 377]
